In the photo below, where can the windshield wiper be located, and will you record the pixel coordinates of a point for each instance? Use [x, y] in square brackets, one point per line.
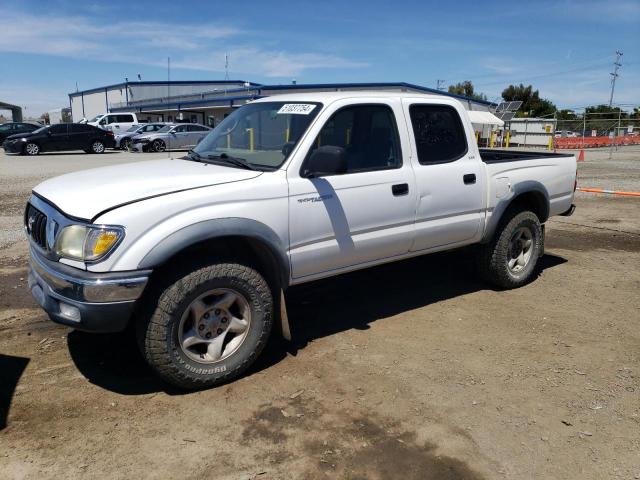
[239, 162]
[191, 155]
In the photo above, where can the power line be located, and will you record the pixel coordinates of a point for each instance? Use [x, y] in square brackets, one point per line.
[616, 65]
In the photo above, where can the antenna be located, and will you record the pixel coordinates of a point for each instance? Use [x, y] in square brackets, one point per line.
[226, 66]
[616, 65]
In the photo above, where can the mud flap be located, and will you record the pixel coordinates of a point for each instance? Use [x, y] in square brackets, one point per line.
[284, 319]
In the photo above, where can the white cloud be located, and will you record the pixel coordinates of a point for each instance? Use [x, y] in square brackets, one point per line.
[247, 60]
[149, 43]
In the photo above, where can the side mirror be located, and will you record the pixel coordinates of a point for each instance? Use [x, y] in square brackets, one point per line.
[326, 160]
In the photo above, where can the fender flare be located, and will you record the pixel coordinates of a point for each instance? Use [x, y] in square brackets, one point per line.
[517, 190]
[218, 228]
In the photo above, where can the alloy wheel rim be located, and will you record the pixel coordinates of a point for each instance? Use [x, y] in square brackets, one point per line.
[32, 149]
[98, 147]
[520, 249]
[214, 325]
[159, 146]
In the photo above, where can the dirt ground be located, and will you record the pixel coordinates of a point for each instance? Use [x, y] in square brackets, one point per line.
[413, 370]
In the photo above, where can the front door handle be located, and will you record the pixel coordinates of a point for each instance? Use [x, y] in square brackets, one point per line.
[400, 189]
[469, 178]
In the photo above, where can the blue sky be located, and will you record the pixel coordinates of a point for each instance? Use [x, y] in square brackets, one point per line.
[564, 48]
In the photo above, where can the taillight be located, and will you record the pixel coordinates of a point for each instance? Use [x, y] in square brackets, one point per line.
[109, 133]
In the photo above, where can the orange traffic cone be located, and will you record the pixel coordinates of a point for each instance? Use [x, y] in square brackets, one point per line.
[581, 156]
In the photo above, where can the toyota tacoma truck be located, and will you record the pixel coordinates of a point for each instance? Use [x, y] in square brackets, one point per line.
[196, 254]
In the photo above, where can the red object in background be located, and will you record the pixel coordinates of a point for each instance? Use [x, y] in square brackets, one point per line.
[591, 142]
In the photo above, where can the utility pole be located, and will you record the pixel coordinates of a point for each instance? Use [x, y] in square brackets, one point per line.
[616, 65]
[440, 85]
[226, 66]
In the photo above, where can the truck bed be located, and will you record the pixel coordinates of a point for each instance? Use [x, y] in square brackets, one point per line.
[498, 156]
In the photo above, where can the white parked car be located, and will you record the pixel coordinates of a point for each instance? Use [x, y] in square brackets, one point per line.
[116, 122]
[199, 252]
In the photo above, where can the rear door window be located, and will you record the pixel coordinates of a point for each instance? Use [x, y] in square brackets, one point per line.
[59, 129]
[125, 118]
[80, 128]
[438, 132]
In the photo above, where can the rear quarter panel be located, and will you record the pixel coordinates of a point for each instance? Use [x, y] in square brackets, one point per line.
[552, 176]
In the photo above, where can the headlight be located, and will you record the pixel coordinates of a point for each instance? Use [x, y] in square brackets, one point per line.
[87, 244]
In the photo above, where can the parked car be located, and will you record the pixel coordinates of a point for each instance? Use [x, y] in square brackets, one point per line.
[199, 252]
[14, 128]
[565, 134]
[63, 136]
[171, 137]
[123, 140]
[117, 122]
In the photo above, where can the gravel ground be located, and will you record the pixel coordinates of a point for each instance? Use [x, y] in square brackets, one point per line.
[413, 370]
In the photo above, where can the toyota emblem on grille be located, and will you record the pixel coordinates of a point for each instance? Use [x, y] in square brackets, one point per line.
[30, 223]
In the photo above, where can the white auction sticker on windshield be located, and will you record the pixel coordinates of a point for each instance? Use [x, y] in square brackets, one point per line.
[296, 108]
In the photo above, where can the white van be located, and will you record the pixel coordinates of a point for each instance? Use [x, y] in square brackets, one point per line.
[116, 122]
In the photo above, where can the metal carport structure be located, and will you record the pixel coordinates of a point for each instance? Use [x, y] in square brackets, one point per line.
[16, 111]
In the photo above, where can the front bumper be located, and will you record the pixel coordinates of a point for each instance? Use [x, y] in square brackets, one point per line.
[139, 147]
[13, 147]
[93, 302]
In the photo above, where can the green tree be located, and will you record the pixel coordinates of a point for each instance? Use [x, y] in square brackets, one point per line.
[532, 104]
[466, 88]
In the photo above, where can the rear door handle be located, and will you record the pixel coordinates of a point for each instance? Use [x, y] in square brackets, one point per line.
[400, 189]
[469, 178]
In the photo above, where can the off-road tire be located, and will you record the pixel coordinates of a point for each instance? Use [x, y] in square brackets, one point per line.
[493, 257]
[158, 332]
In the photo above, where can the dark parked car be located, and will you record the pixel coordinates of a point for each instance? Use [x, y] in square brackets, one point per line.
[64, 136]
[13, 128]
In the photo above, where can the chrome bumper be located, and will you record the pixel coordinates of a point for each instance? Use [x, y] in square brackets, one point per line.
[99, 302]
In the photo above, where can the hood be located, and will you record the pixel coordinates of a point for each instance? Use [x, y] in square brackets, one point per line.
[88, 193]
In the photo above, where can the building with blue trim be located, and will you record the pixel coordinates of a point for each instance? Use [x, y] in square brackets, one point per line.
[208, 102]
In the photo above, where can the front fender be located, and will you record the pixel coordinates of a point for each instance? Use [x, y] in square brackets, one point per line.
[218, 228]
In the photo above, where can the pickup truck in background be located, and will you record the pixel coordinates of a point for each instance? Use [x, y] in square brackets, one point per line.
[198, 253]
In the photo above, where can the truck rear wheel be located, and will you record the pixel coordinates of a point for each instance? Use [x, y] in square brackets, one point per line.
[209, 326]
[510, 259]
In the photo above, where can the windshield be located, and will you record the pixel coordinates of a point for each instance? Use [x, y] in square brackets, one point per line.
[41, 129]
[164, 129]
[263, 134]
[135, 128]
[96, 118]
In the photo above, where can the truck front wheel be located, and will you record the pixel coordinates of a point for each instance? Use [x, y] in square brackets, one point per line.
[509, 260]
[209, 326]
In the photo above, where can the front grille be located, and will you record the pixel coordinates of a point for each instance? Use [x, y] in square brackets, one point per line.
[36, 224]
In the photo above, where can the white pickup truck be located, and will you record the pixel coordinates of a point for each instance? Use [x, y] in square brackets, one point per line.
[197, 253]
